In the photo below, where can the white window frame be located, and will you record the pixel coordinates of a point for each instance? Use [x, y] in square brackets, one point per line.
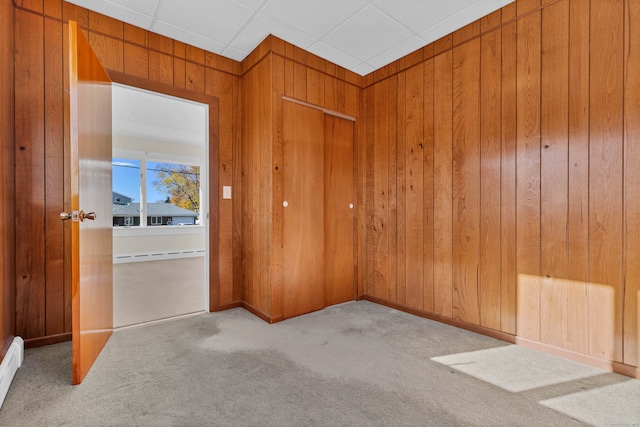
[144, 157]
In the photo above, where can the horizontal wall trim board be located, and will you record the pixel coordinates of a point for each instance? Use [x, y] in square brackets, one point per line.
[446, 320]
[47, 340]
[607, 365]
[317, 107]
[251, 309]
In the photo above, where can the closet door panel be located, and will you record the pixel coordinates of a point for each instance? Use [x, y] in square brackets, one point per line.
[303, 216]
[339, 209]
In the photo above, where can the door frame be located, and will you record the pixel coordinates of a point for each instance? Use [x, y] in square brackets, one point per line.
[212, 269]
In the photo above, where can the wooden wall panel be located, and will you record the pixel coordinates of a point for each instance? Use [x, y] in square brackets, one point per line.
[401, 189]
[7, 191]
[414, 186]
[508, 242]
[605, 180]
[466, 181]
[54, 181]
[443, 184]
[632, 183]
[554, 173]
[41, 268]
[30, 175]
[381, 191]
[534, 185]
[393, 190]
[489, 276]
[528, 177]
[577, 298]
[427, 200]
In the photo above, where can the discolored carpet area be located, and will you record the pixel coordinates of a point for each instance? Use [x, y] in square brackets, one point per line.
[355, 364]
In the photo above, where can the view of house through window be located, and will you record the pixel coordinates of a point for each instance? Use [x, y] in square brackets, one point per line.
[170, 196]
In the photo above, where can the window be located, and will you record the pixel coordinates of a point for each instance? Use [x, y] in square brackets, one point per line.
[149, 192]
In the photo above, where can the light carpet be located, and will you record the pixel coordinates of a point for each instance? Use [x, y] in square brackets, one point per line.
[354, 364]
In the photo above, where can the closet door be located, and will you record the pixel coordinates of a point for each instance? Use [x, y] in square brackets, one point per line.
[303, 210]
[338, 210]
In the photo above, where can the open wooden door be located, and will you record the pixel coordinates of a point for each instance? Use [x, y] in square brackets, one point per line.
[90, 149]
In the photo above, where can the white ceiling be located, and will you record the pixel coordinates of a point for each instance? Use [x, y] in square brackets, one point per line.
[359, 35]
[143, 114]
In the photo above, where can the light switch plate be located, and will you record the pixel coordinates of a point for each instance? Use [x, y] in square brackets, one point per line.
[226, 191]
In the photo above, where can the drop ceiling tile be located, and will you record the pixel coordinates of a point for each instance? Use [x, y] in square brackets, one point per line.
[235, 54]
[117, 11]
[461, 18]
[334, 55]
[253, 4]
[367, 34]
[418, 15]
[316, 18]
[146, 7]
[187, 37]
[363, 69]
[396, 52]
[261, 26]
[220, 20]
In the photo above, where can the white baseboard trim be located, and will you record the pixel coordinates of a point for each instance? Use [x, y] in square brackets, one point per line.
[9, 366]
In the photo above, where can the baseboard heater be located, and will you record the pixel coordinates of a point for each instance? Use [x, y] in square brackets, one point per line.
[157, 256]
[9, 366]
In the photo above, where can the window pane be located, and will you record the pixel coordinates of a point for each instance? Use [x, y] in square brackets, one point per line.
[125, 188]
[173, 194]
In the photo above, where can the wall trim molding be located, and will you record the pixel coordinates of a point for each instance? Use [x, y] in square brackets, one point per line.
[9, 366]
[596, 362]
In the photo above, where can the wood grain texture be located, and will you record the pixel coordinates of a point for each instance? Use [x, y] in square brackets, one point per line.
[381, 190]
[30, 172]
[528, 176]
[490, 174]
[508, 243]
[605, 180]
[466, 181]
[277, 193]
[303, 287]
[136, 60]
[222, 85]
[401, 190]
[632, 183]
[369, 278]
[338, 211]
[414, 186]
[428, 201]
[7, 189]
[443, 185]
[90, 163]
[577, 298]
[393, 192]
[54, 180]
[263, 156]
[554, 175]
[161, 67]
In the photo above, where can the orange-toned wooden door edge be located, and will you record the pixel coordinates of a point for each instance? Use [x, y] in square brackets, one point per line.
[303, 214]
[339, 207]
[90, 151]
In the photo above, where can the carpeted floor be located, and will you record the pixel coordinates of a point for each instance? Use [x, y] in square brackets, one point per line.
[355, 364]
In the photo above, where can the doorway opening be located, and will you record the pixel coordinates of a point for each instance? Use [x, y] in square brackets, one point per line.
[160, 201]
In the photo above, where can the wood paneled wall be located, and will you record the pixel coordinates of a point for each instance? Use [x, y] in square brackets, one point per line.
[7, 196]
[43, 295]
[273, 70]
[501, 177]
